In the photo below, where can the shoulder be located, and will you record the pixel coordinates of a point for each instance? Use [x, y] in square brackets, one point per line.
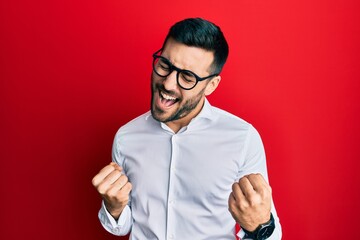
[235, 126]
[232, 124]
[140, 124]
[227, 119]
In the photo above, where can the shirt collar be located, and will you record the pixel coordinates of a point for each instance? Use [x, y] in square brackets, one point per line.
[206, 112]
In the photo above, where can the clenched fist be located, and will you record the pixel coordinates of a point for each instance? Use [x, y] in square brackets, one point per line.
[114, 188]
[250, 201]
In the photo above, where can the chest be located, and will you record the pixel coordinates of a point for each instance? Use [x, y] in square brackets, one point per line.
[183, 166]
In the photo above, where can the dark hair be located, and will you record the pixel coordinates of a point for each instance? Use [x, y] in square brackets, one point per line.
[198, 32]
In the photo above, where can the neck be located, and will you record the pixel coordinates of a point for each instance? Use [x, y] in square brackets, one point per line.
[176, 125]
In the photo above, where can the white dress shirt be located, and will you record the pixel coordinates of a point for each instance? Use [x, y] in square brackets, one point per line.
[181, 182]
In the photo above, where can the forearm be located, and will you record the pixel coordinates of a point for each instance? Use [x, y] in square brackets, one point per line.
[119, 227]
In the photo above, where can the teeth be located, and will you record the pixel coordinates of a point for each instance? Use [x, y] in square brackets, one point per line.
[167, 97]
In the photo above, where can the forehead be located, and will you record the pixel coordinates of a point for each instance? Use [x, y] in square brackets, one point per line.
[188, 57]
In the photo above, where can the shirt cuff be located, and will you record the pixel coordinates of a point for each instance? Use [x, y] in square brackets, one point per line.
[241, 234]
[117, 227]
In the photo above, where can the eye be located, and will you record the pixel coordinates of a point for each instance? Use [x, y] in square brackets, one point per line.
[164, 64]
[188, 77]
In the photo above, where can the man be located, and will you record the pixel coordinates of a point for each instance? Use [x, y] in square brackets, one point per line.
[185, 169]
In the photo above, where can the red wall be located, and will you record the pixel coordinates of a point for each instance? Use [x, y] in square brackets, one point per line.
[72, 72]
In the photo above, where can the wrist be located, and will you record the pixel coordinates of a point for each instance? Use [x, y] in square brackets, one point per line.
[114, 212]
[252, 226]
[262, 232]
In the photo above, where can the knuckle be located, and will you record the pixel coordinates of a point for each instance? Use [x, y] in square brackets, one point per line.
[268, 196]
[242, 206]
[124, 178]
[253, 203]
[238, 204]
[116, 174]
[128, 186]
[265, 192]
[112, 165]
[118, 184]
[233, 205]
[121, 196]
[262, 191]
[242, 179]
[101, 189]
[107, 168]
[253, 175]
[112, 192]
[252, 198]
[94, 181]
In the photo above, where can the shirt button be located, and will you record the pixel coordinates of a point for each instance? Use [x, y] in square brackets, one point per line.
[171, 236]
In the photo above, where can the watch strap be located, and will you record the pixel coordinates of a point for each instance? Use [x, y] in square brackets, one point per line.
[262, 232]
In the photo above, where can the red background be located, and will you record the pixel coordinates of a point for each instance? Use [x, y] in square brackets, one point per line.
[72, 72]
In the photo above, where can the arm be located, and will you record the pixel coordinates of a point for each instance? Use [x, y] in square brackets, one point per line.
[250, 202]
[113, 186]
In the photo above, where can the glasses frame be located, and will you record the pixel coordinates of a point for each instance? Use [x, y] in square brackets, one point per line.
[178, 70]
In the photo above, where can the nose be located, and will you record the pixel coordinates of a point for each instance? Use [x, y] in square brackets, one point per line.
[170, 82]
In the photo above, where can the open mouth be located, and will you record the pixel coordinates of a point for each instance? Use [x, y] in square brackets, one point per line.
[167, 100]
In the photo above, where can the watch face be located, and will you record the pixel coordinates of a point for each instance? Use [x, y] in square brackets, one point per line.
[265, 232]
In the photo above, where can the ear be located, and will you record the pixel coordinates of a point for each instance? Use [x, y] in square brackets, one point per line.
[212, 85]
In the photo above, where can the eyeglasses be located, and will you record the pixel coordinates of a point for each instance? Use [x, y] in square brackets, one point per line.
[186, 79]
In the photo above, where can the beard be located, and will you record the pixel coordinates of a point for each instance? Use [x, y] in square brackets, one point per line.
[185, 107]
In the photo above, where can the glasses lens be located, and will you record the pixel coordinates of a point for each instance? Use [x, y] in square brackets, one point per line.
[187, 79]
[161, 66]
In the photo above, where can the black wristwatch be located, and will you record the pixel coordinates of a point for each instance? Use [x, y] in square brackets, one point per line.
[262, 232]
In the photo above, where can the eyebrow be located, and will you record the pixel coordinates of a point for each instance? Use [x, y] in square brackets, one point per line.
[183, 69]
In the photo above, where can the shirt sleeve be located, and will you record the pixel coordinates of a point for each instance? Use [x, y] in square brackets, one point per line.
[120, 227]
[123, 225]
[255, 162]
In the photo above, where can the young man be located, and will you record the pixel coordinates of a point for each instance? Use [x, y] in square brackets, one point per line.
[185, 169]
